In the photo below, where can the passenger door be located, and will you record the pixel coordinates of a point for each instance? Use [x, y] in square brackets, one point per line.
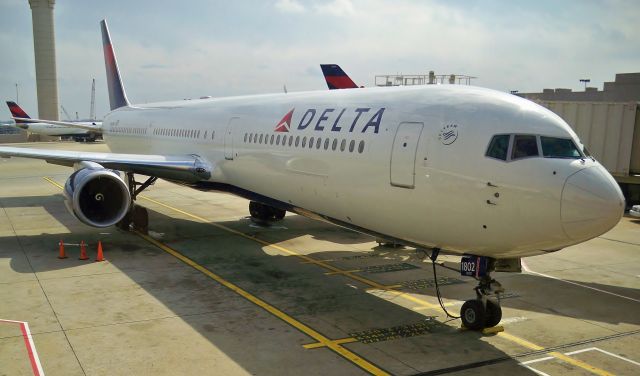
[228, 138]
[403, 154]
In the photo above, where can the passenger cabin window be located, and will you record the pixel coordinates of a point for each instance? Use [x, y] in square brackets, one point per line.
[499, 147]
[524, 146]
[559, 148]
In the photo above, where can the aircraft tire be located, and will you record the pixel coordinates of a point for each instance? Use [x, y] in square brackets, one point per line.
[259, 211]
[277, 214]
[140, 219]
[125, 222]
[473, 314]
[493, 314]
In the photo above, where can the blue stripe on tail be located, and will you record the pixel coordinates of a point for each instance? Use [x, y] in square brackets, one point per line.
[117, 95]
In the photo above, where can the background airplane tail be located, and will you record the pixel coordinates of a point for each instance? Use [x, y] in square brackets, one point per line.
[17, 112]
[117, 95]
[336, 78]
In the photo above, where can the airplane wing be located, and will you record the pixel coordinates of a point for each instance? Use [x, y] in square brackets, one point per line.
[185, 168]
[95, 126]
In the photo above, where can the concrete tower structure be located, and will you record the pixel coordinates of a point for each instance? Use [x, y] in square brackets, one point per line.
[45, 53]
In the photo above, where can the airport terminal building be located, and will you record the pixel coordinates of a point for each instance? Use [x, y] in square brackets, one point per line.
[625, 88]
[608, 122]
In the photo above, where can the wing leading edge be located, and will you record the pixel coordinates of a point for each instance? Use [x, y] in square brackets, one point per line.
[184, 168]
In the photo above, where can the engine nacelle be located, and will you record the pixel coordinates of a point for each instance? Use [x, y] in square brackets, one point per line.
[97, 196]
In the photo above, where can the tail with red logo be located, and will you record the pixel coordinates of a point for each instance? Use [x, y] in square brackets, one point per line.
[117, 95]
[17, 112]
[336, 78]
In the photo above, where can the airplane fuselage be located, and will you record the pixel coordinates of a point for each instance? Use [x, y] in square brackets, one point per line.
[54, 130]
[408, 164]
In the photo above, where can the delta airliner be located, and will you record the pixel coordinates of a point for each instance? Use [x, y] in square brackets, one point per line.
[450, 168]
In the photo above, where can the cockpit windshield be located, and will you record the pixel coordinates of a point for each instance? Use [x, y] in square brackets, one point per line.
[559, 148]
[511, 147]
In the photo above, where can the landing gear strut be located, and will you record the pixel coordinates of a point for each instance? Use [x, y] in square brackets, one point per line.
[262, 213]
[484, 311]
[138, 217]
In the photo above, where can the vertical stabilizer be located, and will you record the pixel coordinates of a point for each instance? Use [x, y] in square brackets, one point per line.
[17, 112]
[336, 78]
[117, 95]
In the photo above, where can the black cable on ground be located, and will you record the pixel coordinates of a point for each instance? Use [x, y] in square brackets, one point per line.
[435, 278]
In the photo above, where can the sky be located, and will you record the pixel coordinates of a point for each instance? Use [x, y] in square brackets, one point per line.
[169, 50]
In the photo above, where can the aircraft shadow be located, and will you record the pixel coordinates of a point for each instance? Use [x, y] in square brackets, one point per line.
[335, 306]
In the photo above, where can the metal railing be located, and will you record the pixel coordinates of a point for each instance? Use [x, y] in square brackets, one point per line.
[422, 79]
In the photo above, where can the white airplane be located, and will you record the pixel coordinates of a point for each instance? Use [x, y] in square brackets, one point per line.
[449, 168]
[79, 131]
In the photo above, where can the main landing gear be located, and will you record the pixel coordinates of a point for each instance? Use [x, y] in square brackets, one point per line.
[138, 217]
[484, 311]
[262, 213]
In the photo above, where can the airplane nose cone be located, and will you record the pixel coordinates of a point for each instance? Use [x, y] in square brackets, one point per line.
[592, 203]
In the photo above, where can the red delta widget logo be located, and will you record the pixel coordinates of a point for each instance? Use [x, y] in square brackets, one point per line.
[336, 121]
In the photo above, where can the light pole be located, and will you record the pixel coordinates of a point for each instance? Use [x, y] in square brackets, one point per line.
[17, 94]
[585, 81]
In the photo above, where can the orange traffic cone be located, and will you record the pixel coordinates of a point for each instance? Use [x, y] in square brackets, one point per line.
[100, 256]
[83, 251]
[61, 255]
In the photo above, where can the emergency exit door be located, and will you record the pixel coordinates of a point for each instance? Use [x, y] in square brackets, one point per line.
[403, 154]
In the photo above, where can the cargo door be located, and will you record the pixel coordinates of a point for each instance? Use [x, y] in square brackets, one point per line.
[228, 138]
[403, 154]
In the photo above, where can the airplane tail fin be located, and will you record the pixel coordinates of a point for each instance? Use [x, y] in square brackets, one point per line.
[117, 95]
[336, 78]
[17, 112]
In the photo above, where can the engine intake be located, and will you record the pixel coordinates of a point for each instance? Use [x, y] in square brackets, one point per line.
[97, 196]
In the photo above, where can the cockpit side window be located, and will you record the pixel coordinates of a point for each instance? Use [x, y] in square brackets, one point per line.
[553, 147]
[499, 147]
[524, 146]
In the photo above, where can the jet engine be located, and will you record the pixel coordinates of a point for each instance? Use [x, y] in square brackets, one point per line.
[97, 196]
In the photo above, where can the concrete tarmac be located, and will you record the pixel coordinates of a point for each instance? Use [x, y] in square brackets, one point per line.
[209, 292]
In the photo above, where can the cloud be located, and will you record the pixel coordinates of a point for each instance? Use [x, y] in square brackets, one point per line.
[154, 66]
[340, 8]
[290, 6]
[523, 46]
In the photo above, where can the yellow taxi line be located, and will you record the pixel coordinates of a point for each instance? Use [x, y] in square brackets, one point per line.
[317, 345]
[376, 285]
[322, 340]
[555, 354]
[343, 272]
[309, 259]
[52, 182]
[332, 344]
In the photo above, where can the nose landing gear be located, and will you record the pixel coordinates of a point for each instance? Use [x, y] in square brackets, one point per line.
[484, 311]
